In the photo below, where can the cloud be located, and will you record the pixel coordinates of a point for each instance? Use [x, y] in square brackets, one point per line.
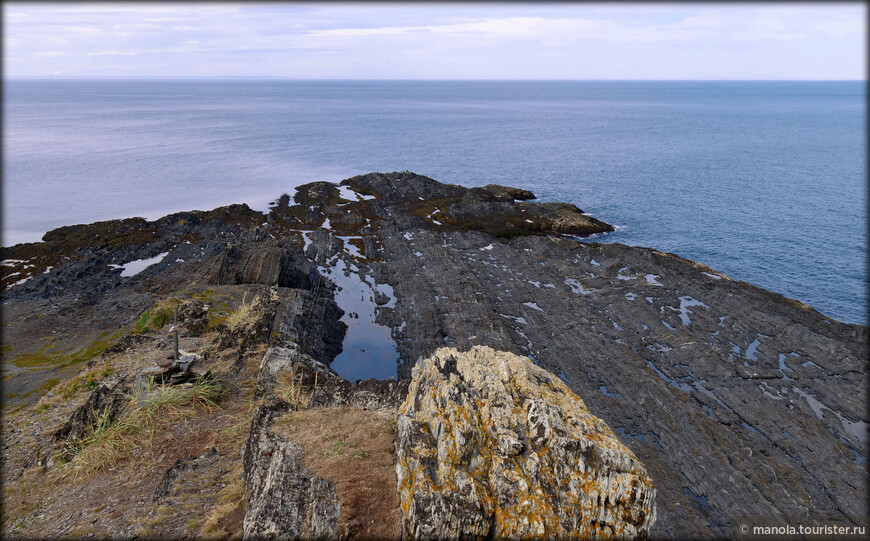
[452, 40]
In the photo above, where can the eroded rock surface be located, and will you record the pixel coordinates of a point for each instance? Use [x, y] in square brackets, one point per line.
[738, 401]
[491, 446]
[286, 502]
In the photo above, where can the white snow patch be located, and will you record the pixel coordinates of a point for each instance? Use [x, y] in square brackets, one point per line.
[713, 276]
[135, 267]
[534, 306]
[596, 263]
[408, 236]
[630, 296]
[487, 247]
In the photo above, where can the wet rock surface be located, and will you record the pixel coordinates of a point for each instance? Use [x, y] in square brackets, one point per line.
[491, 446]
[736, 400]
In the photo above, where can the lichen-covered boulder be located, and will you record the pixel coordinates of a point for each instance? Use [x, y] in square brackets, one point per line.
[490, 445]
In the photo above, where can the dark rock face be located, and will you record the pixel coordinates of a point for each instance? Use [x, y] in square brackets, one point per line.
[175, 474]
[193, 316]
[738, 401]
[286, 502]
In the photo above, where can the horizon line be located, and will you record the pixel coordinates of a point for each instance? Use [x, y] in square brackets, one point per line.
[340, 79]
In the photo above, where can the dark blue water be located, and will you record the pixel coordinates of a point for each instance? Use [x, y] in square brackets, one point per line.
[764, 181]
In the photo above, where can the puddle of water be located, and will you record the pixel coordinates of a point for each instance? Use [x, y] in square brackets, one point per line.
[685, 304]
[517, 319]
[859, 429]
[702, 500]
[750, 350]
[351, 249]
[576, 287]
[672, 382]
[368, 350]
[603, 389]
[749, 427]
[651, 280]
[135, 267]
[533, 306]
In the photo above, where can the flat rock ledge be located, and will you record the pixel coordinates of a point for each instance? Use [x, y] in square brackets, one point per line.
[491, 446]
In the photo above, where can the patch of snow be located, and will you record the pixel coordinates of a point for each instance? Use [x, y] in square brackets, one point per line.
[533, 306]
[408, 236]
[487, 247]
[596, 263]
[713, 276]
[630, 296]
[133, 268]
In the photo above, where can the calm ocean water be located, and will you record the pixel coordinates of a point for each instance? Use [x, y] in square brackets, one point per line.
[764, 181]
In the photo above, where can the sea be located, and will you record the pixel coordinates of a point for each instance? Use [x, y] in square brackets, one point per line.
[763, 181]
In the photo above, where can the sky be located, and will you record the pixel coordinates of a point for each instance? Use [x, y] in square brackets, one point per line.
[578, 41]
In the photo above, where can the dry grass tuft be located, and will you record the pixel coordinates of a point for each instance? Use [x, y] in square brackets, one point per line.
[355, 449]
[243, 316]
[149, 408]
[293, 391]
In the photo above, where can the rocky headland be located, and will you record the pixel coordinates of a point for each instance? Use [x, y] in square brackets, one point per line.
[395, 357]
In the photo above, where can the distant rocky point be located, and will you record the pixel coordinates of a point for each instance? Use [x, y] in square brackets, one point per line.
[543, 385]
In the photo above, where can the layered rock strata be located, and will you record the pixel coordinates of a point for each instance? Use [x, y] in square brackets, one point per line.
[738, 401]
[286, 501]
[491, 446]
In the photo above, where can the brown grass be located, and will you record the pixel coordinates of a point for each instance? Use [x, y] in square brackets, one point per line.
[355, 449]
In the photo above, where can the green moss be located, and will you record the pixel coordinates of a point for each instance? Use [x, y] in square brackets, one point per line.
[46, 357]
[157, 316]
[47, 386]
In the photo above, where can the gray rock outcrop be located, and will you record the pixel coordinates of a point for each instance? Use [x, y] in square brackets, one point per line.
[491, 446]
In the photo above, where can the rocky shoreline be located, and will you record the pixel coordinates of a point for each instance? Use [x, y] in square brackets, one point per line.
[737, 401]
